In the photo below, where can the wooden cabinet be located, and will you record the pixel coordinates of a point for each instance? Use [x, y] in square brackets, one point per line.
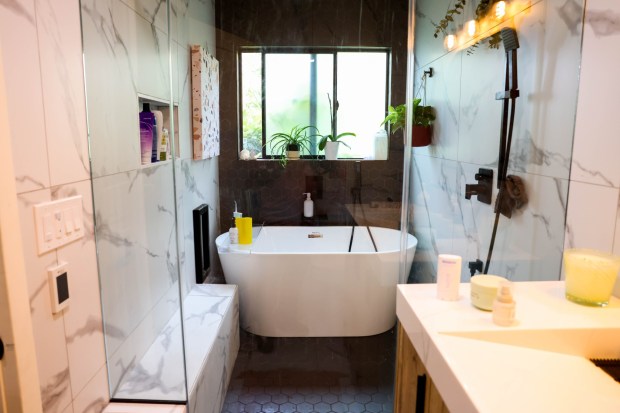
[414, 389]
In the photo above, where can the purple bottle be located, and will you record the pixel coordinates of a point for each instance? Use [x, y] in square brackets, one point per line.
[147, 133]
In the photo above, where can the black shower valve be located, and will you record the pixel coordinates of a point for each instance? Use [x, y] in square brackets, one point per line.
[483, 190]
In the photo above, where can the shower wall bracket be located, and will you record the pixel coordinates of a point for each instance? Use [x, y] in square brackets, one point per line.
[483, 190]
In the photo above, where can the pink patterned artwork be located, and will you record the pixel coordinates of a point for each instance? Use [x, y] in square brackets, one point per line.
[205, 104]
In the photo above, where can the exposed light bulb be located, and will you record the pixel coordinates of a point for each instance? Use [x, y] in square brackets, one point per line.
[500, 9]
[471, 28]
[450, 41]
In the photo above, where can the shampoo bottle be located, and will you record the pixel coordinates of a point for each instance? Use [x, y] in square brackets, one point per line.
[157, 134]
[163, 147]
[308, 206]
[147, 126]
[504, 305]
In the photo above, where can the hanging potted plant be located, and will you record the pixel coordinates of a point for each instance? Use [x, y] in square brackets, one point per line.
[289, 145]
[423, 118]
[331, 142]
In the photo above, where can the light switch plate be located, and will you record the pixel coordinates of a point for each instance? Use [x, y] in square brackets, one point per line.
[58, 223]
[59, 286]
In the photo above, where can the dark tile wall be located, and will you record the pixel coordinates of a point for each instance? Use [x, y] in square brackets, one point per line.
[264, 190]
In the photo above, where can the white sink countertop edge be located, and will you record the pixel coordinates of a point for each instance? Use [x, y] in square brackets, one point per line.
[487, 372]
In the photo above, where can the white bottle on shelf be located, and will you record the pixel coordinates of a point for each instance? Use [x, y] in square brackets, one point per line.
[308, 206]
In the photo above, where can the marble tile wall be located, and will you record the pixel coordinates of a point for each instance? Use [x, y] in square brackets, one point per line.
[45, 93]
[593, 219]
[528, 246]
[126, 42]
[197, 182]
[126, 54]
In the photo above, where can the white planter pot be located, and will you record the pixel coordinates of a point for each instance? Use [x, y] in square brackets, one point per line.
[331, 150]
[292, 155]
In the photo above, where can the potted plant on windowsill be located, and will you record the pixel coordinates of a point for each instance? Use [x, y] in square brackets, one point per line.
[331, 142]
[423, 118]
[289, 145]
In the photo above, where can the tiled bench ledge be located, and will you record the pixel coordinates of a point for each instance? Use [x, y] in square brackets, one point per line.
[211, 314]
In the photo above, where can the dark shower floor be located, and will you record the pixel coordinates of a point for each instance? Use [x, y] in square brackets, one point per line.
[353, 374]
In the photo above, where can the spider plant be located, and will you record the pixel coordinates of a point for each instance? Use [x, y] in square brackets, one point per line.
[298, 139]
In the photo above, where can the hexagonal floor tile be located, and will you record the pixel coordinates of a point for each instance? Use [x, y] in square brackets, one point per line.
[246, 398]
[253, 408]
[270, 407]
[279, 398]
[304, 407]
[356, 407]
[374, 407]
[312, 398]
[339, 407]
[346, 398]
[360, 397]
[322, 407]
[262, 398]
[288, 408]
[329, 398]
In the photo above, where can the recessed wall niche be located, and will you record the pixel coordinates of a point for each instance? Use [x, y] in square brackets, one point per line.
[161, 112]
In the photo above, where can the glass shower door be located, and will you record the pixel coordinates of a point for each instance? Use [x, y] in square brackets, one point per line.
[134, 201]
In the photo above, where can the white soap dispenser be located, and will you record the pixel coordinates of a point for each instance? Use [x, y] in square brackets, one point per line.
[308, 206]
[504, 305]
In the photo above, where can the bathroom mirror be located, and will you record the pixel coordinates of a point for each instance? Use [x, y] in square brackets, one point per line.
[462, 90]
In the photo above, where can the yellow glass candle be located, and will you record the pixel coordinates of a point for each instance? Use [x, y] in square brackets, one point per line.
[590, 276]
[244, 225]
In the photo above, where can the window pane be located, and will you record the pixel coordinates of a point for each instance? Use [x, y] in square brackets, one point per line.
[251, 110]
[296, 93]
[362, 95]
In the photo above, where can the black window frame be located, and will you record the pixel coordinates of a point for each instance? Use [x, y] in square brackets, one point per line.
[263, 50]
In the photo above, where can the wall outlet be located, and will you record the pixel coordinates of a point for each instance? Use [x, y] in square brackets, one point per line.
[59, 287]
[58, 223]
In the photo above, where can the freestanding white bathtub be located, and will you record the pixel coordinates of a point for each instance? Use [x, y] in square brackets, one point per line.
[339, 284]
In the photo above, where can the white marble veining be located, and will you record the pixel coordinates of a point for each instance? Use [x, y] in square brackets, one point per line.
[211, 339]
[466, 136]
[138, 263]
[48, 329]
[22, 79]
[60, 46]
[593, 219]
[208, 389]
[596, 143]
[445, 222]
[132, 56]
[197, 183]
[95, 396]
[82, 319]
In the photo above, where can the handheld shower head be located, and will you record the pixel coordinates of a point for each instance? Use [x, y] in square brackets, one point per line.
[510, 39]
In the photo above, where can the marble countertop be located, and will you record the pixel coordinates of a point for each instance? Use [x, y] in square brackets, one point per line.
[540, 364]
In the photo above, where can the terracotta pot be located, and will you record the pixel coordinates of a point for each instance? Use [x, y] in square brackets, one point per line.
[421, 136]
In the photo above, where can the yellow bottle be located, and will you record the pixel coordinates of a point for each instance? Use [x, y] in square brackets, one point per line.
[244, 225]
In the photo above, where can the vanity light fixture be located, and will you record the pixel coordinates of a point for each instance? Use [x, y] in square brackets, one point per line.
[450, 42]
[471, 27]
[500, 9]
